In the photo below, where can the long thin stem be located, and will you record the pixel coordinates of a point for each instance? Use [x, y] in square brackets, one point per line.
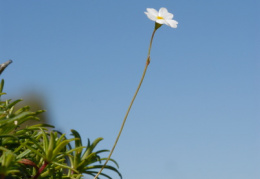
[130, 106]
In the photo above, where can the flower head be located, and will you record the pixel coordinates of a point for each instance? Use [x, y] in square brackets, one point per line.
[161, 17]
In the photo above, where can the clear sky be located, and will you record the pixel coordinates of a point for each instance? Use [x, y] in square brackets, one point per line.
[197, 113]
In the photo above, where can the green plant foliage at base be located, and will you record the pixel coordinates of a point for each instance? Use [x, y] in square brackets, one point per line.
[36, 151]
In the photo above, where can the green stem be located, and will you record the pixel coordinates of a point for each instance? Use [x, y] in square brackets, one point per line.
[130, 106]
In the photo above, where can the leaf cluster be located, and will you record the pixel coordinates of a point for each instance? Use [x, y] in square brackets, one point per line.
[38, 151]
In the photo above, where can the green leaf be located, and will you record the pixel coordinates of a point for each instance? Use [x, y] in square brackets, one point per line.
[2, 85]
[62, 137]
[40, 126]
[78, 143]
[13, 103]
[106, 167]
[24, 153]
[93, 173]
[51, 146]
[91, 147]
[65, 166]
[112, 160]
[61, 146]
[75, 149]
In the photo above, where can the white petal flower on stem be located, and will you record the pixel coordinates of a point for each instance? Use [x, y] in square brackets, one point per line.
[161, 17]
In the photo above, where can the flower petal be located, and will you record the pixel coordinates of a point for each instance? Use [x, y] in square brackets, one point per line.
[168, 16]
[172, 23]
[151, 17]
[152, 11]
[163, 11]
[151, 14]
[161, 21]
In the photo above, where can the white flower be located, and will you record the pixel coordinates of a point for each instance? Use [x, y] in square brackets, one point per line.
[161, 17]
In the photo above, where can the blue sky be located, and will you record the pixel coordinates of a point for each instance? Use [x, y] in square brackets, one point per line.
[197, 113]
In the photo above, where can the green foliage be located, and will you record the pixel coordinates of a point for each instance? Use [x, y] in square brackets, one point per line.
[36, 151]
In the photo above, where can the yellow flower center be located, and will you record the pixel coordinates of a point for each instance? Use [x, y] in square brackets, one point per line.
[158, 17]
